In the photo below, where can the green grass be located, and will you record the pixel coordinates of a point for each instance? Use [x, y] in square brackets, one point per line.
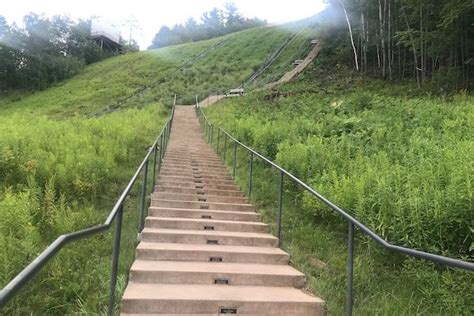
[58, 177]
[397, 159]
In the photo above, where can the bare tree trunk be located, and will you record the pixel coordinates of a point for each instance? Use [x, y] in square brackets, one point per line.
[466, 47]
[362, 59]
[404, 59]
[378, 56]
[415, 57]
[463, 59]
[422, 51]
[366, 41]
[399, 61]
[389, 37]
[356, 59]
[382, 38]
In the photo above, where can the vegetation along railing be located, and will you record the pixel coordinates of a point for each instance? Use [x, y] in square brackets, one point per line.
[156, 152]
[210, 130]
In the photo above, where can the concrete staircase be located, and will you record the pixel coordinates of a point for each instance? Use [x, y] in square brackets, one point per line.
[203, 250]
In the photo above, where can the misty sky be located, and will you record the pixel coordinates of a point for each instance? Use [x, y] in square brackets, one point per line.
[151, 15]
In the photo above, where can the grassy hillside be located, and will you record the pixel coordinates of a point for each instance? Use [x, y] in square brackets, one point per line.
[397, 159]
[157, 75]
[66, 153]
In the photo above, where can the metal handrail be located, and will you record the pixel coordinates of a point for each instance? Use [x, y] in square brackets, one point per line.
[116, 213]
[352, 221]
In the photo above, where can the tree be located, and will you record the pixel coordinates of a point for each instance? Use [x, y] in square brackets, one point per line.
[212, 24]
[44, 51]
[233, 19]
[426, 40]
[356, 59]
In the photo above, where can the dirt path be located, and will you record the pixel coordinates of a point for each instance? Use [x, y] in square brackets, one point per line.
[299, 68]
[211, 100]
[288, 76]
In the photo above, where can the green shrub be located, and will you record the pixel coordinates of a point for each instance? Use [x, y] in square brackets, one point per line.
[401, 165]
[58, 177]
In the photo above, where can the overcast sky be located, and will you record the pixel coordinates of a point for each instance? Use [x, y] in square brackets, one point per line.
[151, 15]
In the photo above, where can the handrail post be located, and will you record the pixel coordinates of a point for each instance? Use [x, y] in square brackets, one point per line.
[164, 138]
[115, 259]
[250, 175]
[142, 201]
[211, 134]
[218, 139]
[159, 160]
[169, 129]
[162, 152]
[167, 137]
[350, 271]
[235, 160]
[280, 205]
[225, 145]
[154, 164]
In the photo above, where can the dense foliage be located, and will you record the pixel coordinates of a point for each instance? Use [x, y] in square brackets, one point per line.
[401, 166]
[426, 40]
[398, 161]
[44, 51]
[61, 176]
[213, 23]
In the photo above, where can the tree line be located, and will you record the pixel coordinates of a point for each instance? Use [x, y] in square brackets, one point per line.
[216, 22]
[44, 51]
[428, 40]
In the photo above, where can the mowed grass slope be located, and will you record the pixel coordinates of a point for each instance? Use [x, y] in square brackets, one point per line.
[397, 159]
[67, 152]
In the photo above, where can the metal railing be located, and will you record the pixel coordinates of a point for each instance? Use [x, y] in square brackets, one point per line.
[156, 151]
[209, 130]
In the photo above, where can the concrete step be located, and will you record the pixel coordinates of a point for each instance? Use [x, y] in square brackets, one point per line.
[195, 155]
[192, 173]
[145, 298]
[193, 177]
[197, 179]
[198, 197]
[179, 272]
[209, 214]
[175, 164]
[202, 159]
[203, 205]
[193, 190]
[217, 168]
[205, 224]
[208, 237]
[206, 253]
[206, 186]
[202, 152]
